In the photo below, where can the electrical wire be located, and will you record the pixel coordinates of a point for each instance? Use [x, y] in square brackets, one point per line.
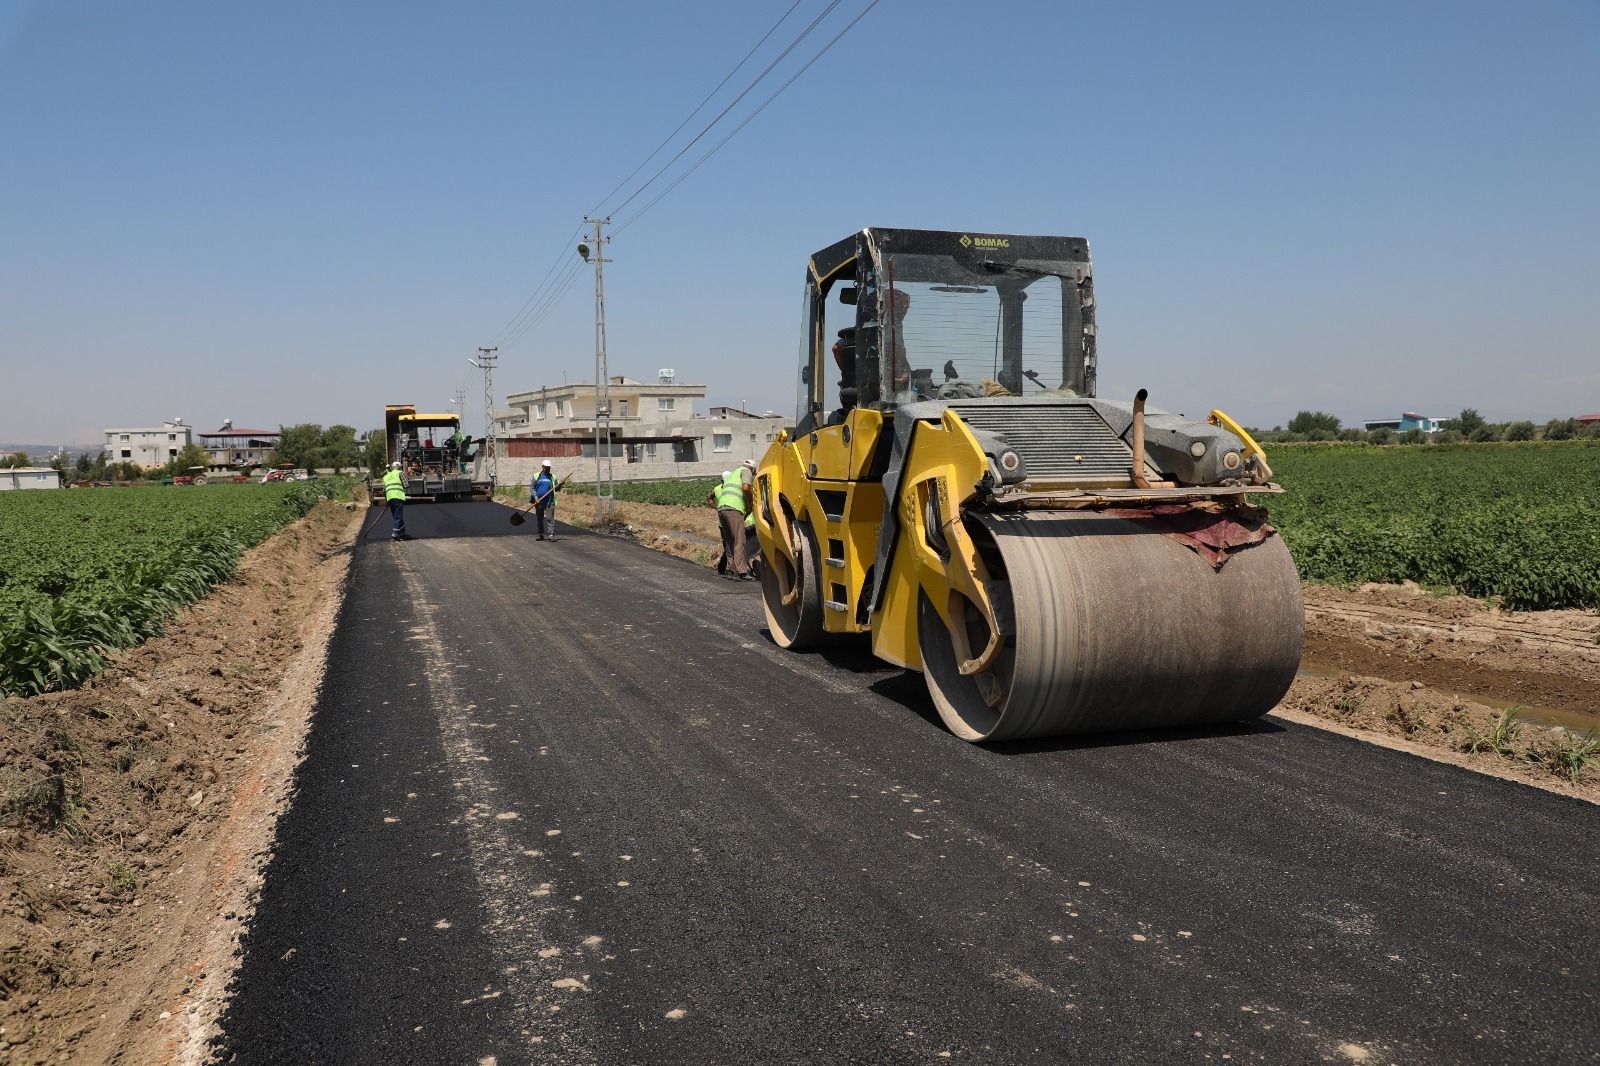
[700, 107]
[560, 259]
[557, 282]
[562, 286]
[747, 120]
[724, 112]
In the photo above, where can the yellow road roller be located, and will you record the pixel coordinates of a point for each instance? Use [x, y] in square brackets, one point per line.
[953, 491]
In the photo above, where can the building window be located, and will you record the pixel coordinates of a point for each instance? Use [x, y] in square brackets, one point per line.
[538, 411]
[623, 408]
[172, 453]
[722, 442]
[769, 438]
[172, 436]
[664, 403]
[752, 438]
[649, 450]
[124, 438]
[126, 454]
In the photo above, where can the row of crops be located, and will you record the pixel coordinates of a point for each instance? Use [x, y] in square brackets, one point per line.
[1518, 522]
[85, 572]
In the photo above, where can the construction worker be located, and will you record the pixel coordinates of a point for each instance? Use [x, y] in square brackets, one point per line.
[394, 494]
[543, 497]
[734, 499]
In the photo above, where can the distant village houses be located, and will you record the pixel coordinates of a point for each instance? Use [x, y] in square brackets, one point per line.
[29, 477]
[654, 432]
[1407, 421]
[238, 449]
[148, 447]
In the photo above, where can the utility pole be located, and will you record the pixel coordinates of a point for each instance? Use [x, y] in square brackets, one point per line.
[459, 402]
[605, 487]
[485, 361]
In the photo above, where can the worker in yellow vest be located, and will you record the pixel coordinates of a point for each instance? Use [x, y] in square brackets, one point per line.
[735, 501]
[394, 494]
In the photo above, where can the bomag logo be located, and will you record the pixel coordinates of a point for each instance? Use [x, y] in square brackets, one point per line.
[984, 242]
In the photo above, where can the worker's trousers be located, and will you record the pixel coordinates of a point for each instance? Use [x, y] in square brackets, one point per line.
[398, 509]
[732, 522]
[544, 514]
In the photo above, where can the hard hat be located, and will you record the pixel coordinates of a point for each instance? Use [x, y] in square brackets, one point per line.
[751, 463]
[725, 474]
[545, 463]
[394, 466]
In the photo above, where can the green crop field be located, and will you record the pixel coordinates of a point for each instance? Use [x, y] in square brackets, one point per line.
[86, 571]
[1516, 521]
[680, 493]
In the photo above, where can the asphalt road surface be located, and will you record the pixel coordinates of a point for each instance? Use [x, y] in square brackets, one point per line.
[567, 803]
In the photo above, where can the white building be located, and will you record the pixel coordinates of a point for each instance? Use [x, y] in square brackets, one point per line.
[148, 447]
[29, 477]
[655, 433]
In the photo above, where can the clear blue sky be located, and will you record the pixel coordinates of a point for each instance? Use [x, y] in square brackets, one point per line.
[293, 211]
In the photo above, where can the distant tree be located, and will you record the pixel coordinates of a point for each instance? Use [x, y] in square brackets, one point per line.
[1318, 434]
[19, 459]
[188, 456]
[83, 466]
[1519, 431]
[1413, 436]
[124, 472]
[1484, 433]
[1589, 430]
[374, 456]
[337, 448]
[1560, 429]
[1381, 435]
[1446, 436]
[1306, 421]
[1352, 433]
[1467, 421]
[58, 462]
[298, 445]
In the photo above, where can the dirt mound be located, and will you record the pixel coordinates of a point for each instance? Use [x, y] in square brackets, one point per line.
[139, 807]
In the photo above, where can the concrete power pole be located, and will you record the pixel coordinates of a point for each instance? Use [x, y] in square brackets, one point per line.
[605, 486]
[486, 359]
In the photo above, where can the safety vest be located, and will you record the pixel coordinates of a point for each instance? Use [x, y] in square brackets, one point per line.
[731, 492]
[394, 486]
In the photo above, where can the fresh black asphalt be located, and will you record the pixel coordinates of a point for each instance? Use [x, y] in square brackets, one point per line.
[567, 803]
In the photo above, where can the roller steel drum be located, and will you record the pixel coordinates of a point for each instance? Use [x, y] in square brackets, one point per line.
[1117, 627]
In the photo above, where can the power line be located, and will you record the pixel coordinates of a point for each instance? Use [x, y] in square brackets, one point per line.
[548, 304]
[698, 108]
[557, 282]
[747, 120]
[742, 94]
[560, 260]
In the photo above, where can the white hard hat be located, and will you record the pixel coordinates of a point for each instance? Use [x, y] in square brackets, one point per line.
[751, 463]
[725, 473]
[545, 463]
[394, 466]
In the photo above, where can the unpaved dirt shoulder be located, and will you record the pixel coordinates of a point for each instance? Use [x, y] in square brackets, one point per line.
[1456, 644]
[120, 921]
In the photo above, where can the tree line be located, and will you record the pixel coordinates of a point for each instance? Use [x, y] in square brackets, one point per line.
[1467, 426]
[306, 446]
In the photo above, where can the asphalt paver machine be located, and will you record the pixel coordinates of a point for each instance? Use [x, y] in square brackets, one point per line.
[433, 455]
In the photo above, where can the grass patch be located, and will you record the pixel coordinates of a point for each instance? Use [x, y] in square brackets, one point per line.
[1502, 735]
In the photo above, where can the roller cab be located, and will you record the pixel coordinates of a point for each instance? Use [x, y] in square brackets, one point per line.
[954, 492]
